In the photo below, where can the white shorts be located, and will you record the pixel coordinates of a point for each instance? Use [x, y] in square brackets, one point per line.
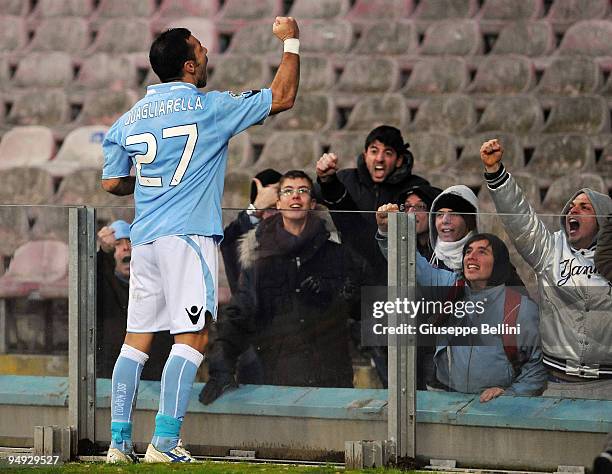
[173, 284]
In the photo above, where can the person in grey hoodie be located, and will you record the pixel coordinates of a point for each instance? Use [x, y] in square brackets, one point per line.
[480, 363]
[576, 309]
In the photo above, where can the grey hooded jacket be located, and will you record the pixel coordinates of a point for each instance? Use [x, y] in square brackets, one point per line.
[576, 301]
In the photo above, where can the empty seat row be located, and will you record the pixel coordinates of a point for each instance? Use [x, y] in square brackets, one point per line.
[559, 11]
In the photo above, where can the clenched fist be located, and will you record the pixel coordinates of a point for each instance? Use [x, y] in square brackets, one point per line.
[327, 166]
[382, 216]
[106, 239]
[285, 27]
[491, 154]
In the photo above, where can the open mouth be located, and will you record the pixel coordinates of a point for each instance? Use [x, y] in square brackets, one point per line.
[472, 266]
[295, 206]
[126, 259]
[573, 224]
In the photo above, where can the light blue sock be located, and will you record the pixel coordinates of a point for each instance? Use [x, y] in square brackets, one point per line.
[126, 376]
[177, 380]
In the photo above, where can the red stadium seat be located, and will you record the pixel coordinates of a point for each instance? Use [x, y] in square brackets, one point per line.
[14, 227]
[289, 150]
[203, 29]
[571, 75]
[529, 38]
[584, 114]
[453, 114]
[251, 10]
[389, 37]
[565, 12]
[503, 75]
[441, 9]
[13, 33]
[255, 38]
[372, 111]
[240, 153]
[59, 8]
[437, 76]
[453, 37]
[604, 165]
[69, 34]
[123, 35]
[82, 148]
[310, 112]
[185, 8]
[26, 186]
[369, 75]
[347, 145]
[125, 9]
[518, 114]
[378, 9]
[239, 72]
[104, 70]
[44, 70]
[319, 36]
[26, 146]
[323, 10]
[589, 38]
[48, 107]
[104, 109]
[469, 160]
[432, 151]
[316, 73]
[511, 10]
[35, 264]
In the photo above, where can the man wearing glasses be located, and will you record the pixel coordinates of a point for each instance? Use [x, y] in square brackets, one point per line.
[297, 290]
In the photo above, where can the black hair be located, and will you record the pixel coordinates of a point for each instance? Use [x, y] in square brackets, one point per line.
[169, 52]
[296, 174]
[391, 137]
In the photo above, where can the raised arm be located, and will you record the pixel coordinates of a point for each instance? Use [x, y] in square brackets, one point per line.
[285, 83]
[123, 186]
[530, 236]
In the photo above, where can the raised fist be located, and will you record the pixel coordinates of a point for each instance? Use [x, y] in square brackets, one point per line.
[327, 166]
[285, 27]
[491, 154]
[106, 238]
[382, 216]
[266, 197]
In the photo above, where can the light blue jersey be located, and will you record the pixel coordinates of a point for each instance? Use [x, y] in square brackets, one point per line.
[176, 137]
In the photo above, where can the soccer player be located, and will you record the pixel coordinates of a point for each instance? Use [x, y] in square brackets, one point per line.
[177, 138]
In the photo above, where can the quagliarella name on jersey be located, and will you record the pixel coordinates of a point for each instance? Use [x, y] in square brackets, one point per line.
[163, 107]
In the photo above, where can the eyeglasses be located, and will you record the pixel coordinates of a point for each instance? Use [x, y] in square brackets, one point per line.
[418, 207]
[286, 192]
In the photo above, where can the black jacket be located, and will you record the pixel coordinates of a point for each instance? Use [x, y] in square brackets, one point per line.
[294, 302]
[111, 322]
[354, 190]
[229, 247]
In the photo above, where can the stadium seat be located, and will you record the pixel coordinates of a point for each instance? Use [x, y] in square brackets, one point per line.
[347, 146]
[44, 70]
[325, 9]
[103, 70]
[13, 33]
[453, 37]
[203, 29]
[123, 35]
[239, 73]
[124, 9]
[40, 107]
[26, 146]
[530, 186]
[5, 74]
[452, 114]
[372, 111]
[604, 165]
[378, 9]
[14, 7]
[561, 155]
[240, 152]
[437, 76]
[310, 112]
[562, 189]
[529, 38]
[570, 11]
[50, 223]
[104, 109]
[34, 264]
[82, 187]
[59, 8]
[82, 148]
[588, 38]
[571, 75]
[14, 227]
[255, 38]
[431, 151]
[69, 34]
[369, 75]
[170, 9]
[440, 9]
[511, 10]
[469, 159]
[584, 114]
[389, 37]
[319, 36]
[316, 73]
[26, 186]
[519, 114]
[289, 150]
[251, 10]
[503, 75]
[236, 190]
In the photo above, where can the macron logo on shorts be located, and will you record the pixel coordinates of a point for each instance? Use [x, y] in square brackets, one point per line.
[194, 313]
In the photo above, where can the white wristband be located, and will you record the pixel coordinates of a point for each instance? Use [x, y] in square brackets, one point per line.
[291, 45]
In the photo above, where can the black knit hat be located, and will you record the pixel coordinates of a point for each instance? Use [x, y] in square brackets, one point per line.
[427, 194]
[266, 177]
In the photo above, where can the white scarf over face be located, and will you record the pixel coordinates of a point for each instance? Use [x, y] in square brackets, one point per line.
[451, 253]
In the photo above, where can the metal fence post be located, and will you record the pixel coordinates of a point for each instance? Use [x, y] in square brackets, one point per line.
[81, 323]
[402, 349]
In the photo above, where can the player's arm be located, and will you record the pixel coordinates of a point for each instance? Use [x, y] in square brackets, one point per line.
[123, 186]
[285, 83]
